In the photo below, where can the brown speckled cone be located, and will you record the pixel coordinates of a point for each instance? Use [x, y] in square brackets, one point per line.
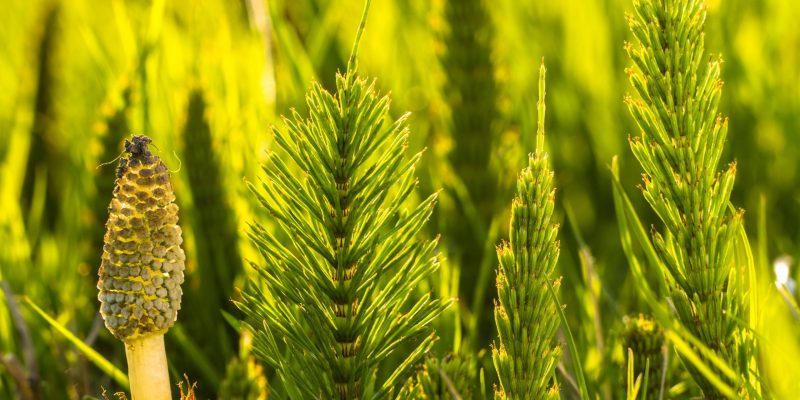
[143, 263]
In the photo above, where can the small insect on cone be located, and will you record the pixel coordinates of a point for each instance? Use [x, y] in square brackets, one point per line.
[142, 267]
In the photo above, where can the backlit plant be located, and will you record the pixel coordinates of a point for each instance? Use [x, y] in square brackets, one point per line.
[645, 339]
[334, 273]
[525, 312]
[334, 308]
[472, 97]
[680, 146]
[451, 377]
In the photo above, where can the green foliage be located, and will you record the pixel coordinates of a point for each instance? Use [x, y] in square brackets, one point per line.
[219, 260]
[102, 363]
[244, 377]
[525, 313]
[644, 340]
[339, 300]
[471, 94]
[473, 106]
[694, 352]
[633, 385]
[451, 377]
[680, 147]
[111, 131]
[78, 76]
[41, 173]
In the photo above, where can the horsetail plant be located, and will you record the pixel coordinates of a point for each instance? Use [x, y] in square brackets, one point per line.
[472, 96]
[643, 336]
[142, 267]
[46, 158]
[214, 228]
[525, 312]
[215, 224]
[335, 312]
[451, 377]
[680, 146]
[244, 377]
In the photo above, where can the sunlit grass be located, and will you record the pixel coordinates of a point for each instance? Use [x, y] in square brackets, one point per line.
[117, 68]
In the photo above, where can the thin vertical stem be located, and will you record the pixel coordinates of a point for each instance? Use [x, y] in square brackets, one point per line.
[351, 63]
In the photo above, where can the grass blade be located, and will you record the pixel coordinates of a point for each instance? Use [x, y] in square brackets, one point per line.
[633, 383]
[98, 360]
[573, 348]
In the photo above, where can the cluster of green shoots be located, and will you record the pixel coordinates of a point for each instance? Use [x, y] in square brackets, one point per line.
[679, 147]
[525, 312]
[644, 339]
[336, 312]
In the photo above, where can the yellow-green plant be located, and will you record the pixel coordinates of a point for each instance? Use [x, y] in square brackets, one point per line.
[244, 377]
[142, 267]
[214, 228]
[43, 165]
[526, 313]
[214, 224]
[679, 147]
[334, 311]
[642, 335]
[471, 94]
[110, 130]
[451, 377]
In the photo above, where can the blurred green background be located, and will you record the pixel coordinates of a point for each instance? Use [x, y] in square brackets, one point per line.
[206, 80]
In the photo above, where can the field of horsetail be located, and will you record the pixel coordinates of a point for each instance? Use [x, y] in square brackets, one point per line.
[399, 199]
